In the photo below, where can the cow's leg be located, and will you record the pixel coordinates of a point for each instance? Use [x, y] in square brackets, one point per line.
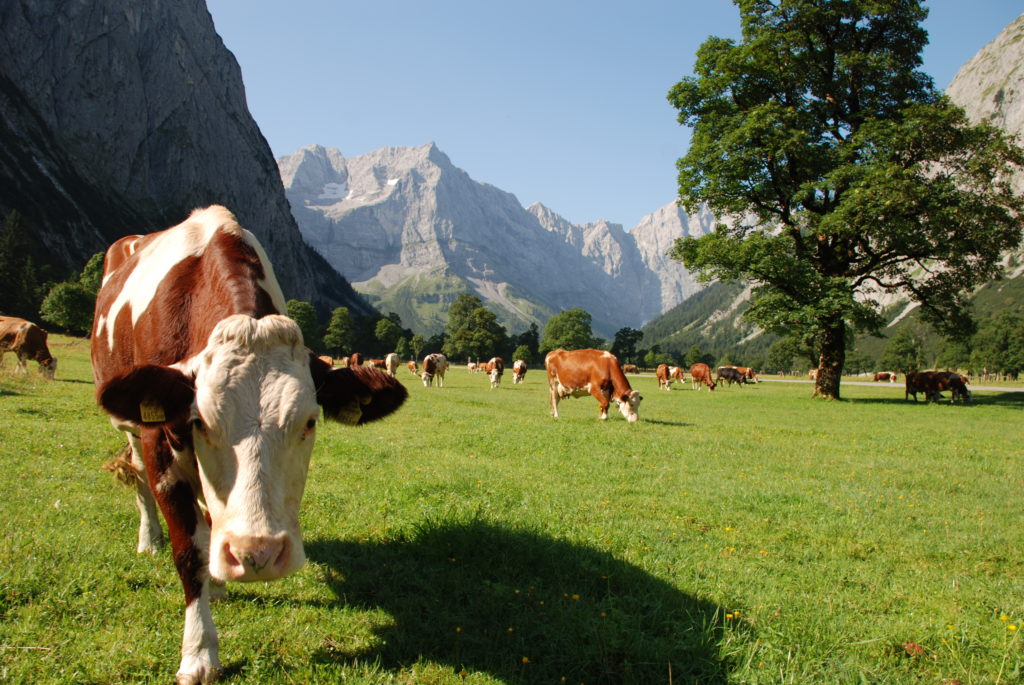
[554, 401]
[22, 365]
[190, 542]
[602, 401]
[151, 536]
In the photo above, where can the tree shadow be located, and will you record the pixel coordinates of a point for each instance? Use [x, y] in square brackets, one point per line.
[522, 607]
[978, 399]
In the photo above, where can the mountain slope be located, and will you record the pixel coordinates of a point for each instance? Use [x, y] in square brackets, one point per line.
[121, 116]
[411, 231]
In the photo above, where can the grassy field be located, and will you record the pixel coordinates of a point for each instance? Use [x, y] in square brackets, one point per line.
[749, 536]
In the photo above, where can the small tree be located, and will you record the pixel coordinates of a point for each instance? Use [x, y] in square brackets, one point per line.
[569, 330]
[71, 304]
[624, 345]
[388, 334]
[416, 345]
[339, 337]
[304, 314]
[523, 352]
[904, 352]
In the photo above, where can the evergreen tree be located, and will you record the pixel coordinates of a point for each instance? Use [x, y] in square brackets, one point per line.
[569, 330]
[339, 337]
[304, 314]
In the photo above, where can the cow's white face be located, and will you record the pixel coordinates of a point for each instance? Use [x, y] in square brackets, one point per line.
[254, 423]
[629, 404]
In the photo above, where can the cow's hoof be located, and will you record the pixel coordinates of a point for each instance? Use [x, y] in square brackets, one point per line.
[201, 669]
[204, 677]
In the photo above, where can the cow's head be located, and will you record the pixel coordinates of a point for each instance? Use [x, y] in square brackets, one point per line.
[629, 404]
[48, 367]
[248, 405]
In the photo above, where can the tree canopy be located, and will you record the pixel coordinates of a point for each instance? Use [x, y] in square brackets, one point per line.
[472, 330]
[569, 330]
[840, 173]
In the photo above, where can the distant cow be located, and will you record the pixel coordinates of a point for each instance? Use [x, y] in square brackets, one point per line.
[700, 374]
[578, 372]
[813, 374]
[730, 374]
[495, 368]
[391, 362]
[434, 367]
[664, 379]
[518, 371]
[378, 364]
[28, 342]
[748, 373]
[630, 368]
[356, 359]
[472, 367]
[413, 368]
[194, 359]
[326, 359]
[677, 373]
[885, 376]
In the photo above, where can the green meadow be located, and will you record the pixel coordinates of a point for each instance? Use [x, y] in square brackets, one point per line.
[746, 536]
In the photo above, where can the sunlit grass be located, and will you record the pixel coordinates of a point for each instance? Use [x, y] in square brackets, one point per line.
[750, 535]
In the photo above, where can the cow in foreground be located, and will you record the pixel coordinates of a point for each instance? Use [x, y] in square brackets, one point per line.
[434, 367]
[580, 372]
[219, 397]
[495, 368]
[700, 374]
[28, 342]
[518, 372]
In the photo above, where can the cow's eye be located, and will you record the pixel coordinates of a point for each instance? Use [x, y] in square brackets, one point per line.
[198, 425]
[310, 427]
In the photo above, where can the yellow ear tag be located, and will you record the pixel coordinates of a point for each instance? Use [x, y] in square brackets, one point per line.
[151, 411]
[350, 413]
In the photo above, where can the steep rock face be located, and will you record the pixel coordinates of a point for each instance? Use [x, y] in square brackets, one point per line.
[120, 116]
[411, 230]
[655, 235]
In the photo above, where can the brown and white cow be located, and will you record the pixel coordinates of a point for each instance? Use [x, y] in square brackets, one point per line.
[494, 368]
[355, 359]
[663, 376]
[574, 373]
[885, 376]
[677, 373]
[933, 383]
[518, 372]
[472, 367]
[413, 368]
[219, 398]
[630, 368]
[748, 373]
[434, 367]
[391, 362]
[28, 342]
[700, 374]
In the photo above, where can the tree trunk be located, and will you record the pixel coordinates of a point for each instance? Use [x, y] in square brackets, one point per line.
[830, 364]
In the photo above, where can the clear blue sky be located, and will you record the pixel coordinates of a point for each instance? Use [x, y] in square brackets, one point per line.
[556, 101]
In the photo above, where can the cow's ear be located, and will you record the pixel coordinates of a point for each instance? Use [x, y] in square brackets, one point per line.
[148, 395]
[356, 395]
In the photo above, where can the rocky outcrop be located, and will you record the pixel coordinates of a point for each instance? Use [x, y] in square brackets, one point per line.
[411, 230]
[119, 117]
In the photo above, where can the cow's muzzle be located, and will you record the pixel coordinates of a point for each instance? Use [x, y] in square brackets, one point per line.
[258, 557]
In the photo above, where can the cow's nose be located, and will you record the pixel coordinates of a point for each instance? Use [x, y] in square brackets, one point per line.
[256, 557]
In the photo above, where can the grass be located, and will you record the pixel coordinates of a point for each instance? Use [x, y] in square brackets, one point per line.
[749, 536]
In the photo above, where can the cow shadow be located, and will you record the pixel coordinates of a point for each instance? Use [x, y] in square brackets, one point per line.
[520, 606]
[978, 399]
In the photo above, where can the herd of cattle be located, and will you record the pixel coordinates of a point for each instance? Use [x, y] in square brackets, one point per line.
[195, 361]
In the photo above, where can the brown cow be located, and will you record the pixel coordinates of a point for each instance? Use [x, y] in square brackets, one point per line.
[413, 368]
[933, 383]
[630, 368]
[677, 373]
[748, 373]
[664, 379]
[885, 376]
[356, 359]
[28, 342]
[700, 374]
[574, 373]
[434, 367]
[518, 371]
[494, 369]
[327, 359]
[194, 359]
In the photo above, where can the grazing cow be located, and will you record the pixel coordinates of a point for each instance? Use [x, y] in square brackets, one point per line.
[664, 380]
[578, 372]
[748, 373]
[28, 342]
[933, 383]
[700, 374]
[885, 376]
[813, 374]
[378, 364]
[194, 360]
[630, 368]
[391, 362]
[434, 366]
[472, 367]
[729, 374]
[677, 373]
[518, 371]
[495, 368]
[413, 368]
[356, 359]
[326, 359]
